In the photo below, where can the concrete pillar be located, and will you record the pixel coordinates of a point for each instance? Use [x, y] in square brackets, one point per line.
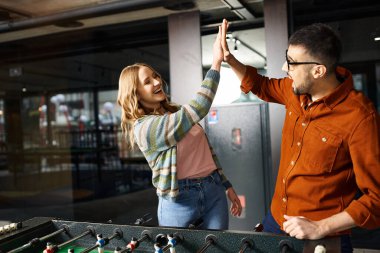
[185, 56]
[276, 39]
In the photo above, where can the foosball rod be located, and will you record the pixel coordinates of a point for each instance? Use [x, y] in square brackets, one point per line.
[246, 244]
[210, 240]
[117, 233]
[146, 218]
[35, 241]
[90, 230]
[176, 238]
[145, 235]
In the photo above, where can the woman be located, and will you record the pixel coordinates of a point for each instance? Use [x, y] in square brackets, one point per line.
[189, 181]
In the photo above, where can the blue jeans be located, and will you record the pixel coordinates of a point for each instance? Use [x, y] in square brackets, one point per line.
[198, 198]
[271, 226]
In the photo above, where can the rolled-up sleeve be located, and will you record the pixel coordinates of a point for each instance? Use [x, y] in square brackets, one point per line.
[365, 153]
[268, 89]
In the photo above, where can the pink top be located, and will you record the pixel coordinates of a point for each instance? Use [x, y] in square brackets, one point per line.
[194, 157]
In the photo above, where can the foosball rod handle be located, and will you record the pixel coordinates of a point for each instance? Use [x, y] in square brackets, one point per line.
[196, 224]
[258, 228]
[146, 218]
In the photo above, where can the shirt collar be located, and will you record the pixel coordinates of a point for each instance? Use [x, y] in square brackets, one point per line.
[338, 94]
[342, 91]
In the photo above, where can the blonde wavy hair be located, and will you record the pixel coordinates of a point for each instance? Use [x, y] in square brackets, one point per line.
[127, 98]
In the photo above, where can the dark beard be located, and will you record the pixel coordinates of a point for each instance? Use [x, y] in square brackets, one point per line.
[303, 89]
[296, 92]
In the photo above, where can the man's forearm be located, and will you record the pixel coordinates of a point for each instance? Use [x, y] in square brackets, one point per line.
[304, 228]
[336, 223]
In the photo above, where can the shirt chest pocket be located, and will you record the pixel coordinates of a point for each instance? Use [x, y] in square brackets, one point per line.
[320, 149]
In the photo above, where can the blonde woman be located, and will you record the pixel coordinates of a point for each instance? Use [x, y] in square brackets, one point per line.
[189, 180]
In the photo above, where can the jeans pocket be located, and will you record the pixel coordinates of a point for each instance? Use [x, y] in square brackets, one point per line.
[183, 192]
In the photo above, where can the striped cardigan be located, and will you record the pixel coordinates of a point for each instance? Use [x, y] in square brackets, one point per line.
[157, 137]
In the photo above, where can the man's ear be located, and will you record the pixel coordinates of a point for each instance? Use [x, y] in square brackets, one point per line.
[319, 71]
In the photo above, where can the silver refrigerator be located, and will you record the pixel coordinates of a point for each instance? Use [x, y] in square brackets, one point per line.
[239, 134]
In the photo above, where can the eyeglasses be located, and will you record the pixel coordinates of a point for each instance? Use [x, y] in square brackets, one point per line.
[298, 63]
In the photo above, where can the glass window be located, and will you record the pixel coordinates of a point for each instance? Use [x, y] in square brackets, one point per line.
[2, 130]
[3, 147]
[72, 120]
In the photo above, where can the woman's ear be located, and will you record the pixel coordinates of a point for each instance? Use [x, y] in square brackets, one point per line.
[141, 111]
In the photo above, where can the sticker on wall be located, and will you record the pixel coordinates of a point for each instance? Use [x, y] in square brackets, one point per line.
[213, 117]
[236, 139]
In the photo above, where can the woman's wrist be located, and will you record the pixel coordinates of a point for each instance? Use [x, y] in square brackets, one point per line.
[216, 65]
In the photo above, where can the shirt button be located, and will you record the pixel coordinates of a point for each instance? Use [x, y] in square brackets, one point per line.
[284, 200]
[283, 180]
[290, 113]
[324, 139]
[304, 124]
[292, 163]
[298, 144]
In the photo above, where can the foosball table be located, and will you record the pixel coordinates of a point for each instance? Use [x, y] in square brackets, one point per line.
[48, 235]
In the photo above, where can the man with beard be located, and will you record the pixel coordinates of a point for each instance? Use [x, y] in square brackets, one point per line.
[330, 147]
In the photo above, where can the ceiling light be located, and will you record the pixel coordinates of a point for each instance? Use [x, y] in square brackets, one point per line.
[376, 34]
[15, 71]
[236, 42]
[229, 37]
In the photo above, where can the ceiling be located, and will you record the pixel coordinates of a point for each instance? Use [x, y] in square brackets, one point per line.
[59, 44]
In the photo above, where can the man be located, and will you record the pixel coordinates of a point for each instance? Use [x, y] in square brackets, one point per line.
[330, 145]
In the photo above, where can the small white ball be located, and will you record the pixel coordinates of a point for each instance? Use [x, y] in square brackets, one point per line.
[320, 249]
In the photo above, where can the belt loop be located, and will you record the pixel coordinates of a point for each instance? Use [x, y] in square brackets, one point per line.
[217, 176]
[212, 177]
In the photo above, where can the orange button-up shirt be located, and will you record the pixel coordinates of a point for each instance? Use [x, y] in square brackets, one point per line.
[330, 149]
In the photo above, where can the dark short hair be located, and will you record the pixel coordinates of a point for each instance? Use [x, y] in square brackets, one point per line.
[321, 42]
